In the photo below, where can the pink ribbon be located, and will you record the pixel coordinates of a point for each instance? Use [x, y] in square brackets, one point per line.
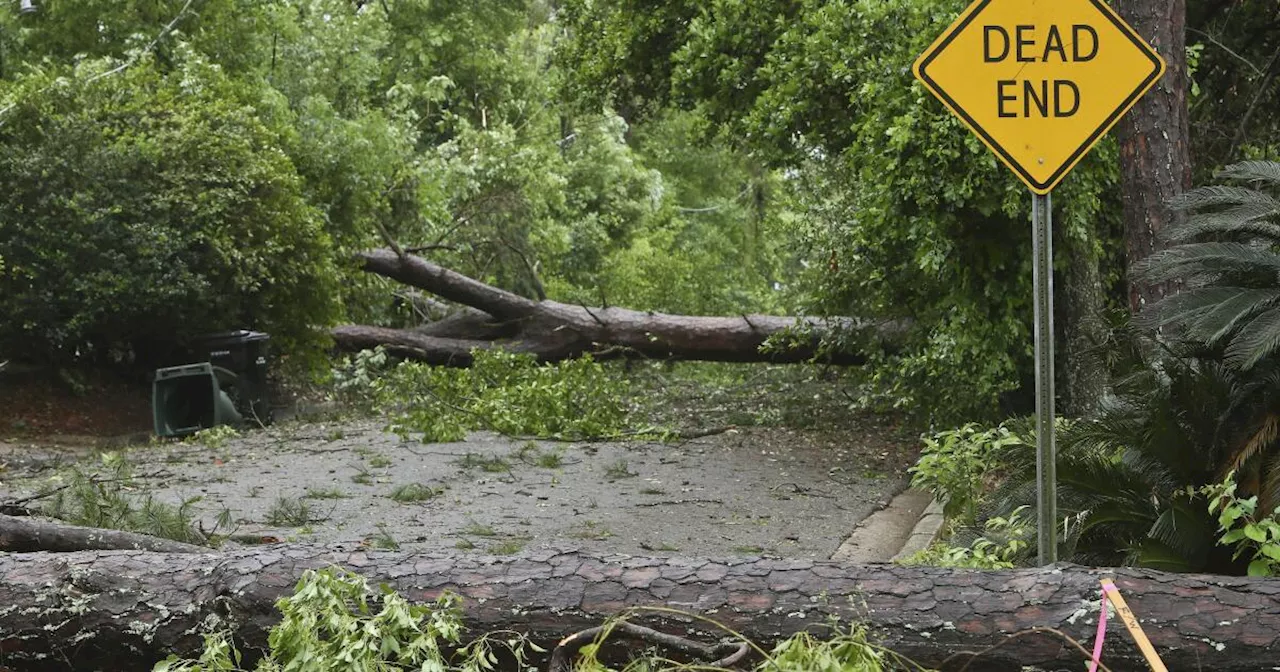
[1102, 629]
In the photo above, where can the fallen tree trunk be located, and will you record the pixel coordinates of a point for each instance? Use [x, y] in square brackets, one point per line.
[28, 535]
[554, 331]
[121, 610]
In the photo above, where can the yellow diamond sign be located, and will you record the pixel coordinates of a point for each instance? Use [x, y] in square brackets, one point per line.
[1039, 81]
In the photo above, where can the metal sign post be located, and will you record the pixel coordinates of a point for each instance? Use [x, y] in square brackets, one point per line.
[1040, 83]
[1046, 450]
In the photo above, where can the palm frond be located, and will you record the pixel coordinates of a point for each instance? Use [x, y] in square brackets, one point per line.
[1252, 171]
[1209, 313]
[1250, 220]
[1186, 527]
[1259, 440]
[1206, 259]
[1269, 496]
[1258, 339]
[1234, 306]
[1223, 195]
[1154, 554]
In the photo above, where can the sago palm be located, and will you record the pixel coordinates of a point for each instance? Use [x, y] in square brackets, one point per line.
[1208, 404]
[1227, 259]
[1123, 476]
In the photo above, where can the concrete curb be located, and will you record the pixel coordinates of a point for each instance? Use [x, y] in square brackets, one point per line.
[924, 533]
[878, 536]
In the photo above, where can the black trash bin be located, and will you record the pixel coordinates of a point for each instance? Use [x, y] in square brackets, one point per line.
[243, 353]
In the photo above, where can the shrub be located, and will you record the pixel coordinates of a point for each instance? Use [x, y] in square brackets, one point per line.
[1006, 541]
[956, 464]
[148, 207]
[1256, 535]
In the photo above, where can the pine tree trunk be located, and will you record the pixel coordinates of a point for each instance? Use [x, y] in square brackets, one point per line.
[124, 610]
[553, 331]
[1083, 370]
[1155, 158]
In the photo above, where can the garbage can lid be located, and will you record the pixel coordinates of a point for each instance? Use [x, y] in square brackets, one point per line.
[228, 337]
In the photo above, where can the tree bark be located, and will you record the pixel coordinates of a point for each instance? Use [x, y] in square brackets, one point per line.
[122, 610]
[553, 331]
[1084, 371]
[25, 535]
[1155, 157]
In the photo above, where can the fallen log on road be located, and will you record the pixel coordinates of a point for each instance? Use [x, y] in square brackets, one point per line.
[29, 535]
[554, 331]
[118, 610]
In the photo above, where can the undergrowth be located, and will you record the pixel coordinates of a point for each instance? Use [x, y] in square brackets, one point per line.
[1004, 543]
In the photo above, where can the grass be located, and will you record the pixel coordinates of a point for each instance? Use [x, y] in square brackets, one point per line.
[324, 493]
[530, 453]
[492, 465]
[652, 491]
[289, 512]
[379, 461]
[465, 545]
[748, 550]
[619, 470]
[415, 492]
[550, 461]
[590, 530]
[508, 546]
[478, 530]
[384, 540]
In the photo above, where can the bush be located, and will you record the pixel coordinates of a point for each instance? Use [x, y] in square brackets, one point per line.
[1005, 542]
[956, 464]
[148, 207]
[1243, 528]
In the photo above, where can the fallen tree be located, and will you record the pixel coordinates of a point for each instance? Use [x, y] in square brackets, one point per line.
[29, 535]
[125, 609]
[554, 331]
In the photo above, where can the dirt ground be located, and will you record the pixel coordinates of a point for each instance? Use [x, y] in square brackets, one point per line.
[756, 491]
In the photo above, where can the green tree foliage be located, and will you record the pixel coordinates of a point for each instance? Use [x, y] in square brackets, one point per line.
[905, 214]
[503, 392]
[956, 466]
[305, 126]
[150, 204]
[1233, 50]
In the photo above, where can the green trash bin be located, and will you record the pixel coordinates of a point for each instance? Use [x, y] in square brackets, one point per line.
[186, 399]
[243, 353]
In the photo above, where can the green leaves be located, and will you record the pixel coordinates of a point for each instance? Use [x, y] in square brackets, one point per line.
[147, 208]
[1241, 527]
[507, 393]
[955, 466]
